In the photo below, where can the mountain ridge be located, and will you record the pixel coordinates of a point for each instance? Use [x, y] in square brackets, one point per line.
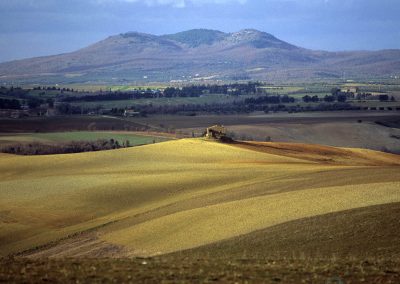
[247, 54]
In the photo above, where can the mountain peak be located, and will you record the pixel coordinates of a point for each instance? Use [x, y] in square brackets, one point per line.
[133, 34]
[250, 53]
[250, 31]
[197, 37]
[258, 39]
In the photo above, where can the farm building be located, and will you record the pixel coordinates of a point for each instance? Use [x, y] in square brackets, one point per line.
[131, 113]
[216, 132]
[353, 90]
[13, 113]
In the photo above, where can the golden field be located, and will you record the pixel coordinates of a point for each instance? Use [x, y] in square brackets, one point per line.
[186, 194]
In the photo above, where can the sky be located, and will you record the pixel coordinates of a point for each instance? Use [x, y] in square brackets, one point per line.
[31, 28]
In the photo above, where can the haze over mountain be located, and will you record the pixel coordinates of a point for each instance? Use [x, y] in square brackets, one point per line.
[197, 55]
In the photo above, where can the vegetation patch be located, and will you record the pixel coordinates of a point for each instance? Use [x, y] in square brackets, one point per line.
[72, 142]
[62, 148]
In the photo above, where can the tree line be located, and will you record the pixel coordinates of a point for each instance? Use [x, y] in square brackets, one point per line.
[170, 92]
[63, 148]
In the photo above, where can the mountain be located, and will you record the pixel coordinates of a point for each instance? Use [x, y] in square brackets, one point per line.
[197, 37]
[199, 54]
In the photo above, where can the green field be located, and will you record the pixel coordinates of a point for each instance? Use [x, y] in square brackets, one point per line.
[50, 138]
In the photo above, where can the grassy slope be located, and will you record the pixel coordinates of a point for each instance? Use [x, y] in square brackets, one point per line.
[181, 194]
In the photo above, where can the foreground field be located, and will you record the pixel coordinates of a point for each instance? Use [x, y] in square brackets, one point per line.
[191, 270]
[197, 199]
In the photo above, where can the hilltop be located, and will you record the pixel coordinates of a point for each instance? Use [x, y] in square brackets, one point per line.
[199, 54]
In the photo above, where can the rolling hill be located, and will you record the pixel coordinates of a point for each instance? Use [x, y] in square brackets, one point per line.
[199, 54]
[195, 197]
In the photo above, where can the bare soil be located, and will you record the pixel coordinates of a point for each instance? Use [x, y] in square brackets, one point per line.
[205, 270]
[68, 123]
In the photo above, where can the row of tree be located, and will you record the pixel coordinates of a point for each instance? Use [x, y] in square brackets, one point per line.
[170, 92]
[269, 100]
[110, 96]
[10, 104]
[197, 90]
[39, 88]
[63, 148]
[340, 97]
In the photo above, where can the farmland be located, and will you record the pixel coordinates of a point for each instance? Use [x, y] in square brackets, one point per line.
[197, 210]
[154, 201]
[131, 152]
[69, 123]
[345, 129]
[204, 99]
[54, 137]
[187, 270]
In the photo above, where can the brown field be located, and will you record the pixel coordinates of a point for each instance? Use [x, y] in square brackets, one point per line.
[341, 134]
[192, 270]
[256, 118]
[68, 123]
[341, 129]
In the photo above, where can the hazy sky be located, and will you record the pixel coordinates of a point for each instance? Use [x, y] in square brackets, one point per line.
[43, 27]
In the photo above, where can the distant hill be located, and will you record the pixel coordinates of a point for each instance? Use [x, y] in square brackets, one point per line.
[200, 54]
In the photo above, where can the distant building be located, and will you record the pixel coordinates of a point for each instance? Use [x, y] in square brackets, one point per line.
[353, 90]
[51, 112]
[131, 113]
[13, 113]
[216, 132]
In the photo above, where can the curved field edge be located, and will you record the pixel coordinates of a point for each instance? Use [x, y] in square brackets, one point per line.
[209, 224]
[44, 199]
[363, 233]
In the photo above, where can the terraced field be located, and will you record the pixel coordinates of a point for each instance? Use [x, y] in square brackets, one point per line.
[198, 199]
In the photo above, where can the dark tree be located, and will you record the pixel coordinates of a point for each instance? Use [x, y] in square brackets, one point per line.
[383, 98]
[34, 103]
[329, 99]
[335, 91]
[341, 98]
[306, 99]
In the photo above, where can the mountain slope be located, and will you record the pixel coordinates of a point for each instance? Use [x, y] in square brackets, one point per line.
[247, 54]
